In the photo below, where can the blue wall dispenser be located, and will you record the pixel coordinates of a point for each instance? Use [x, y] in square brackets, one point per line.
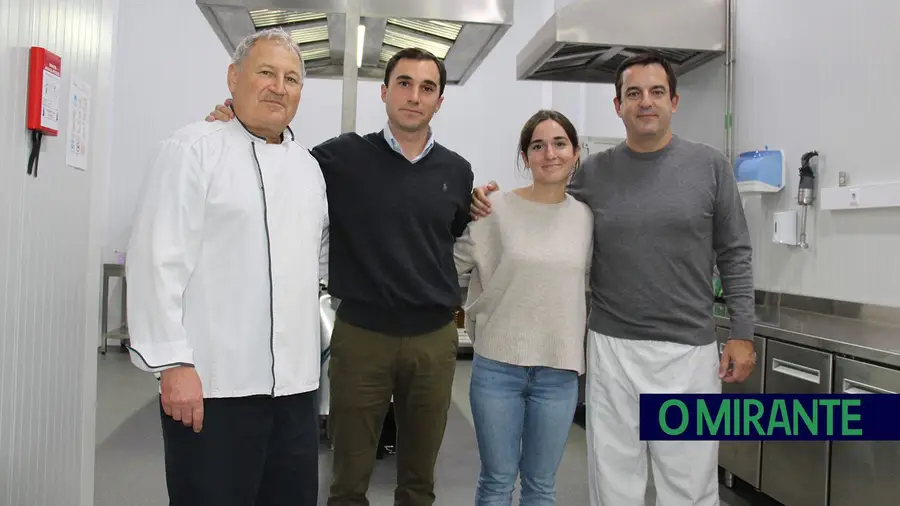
[761, 171]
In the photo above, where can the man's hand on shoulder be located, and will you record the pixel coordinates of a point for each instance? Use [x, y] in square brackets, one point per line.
[222, 112]
[481, 203]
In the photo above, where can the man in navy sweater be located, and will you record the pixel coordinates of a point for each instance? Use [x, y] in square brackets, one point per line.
[398, 200]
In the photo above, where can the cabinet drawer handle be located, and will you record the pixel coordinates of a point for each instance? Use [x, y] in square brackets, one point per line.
[797, 371]
[855, 387]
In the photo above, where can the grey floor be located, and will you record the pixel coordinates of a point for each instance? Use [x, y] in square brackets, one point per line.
[129, 460]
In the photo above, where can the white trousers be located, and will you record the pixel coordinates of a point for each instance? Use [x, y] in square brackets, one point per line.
[619, 370]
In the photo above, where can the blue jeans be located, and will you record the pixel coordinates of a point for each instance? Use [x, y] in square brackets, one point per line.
[522, 418]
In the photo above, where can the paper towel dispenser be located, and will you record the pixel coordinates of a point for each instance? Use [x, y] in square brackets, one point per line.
[761, 171]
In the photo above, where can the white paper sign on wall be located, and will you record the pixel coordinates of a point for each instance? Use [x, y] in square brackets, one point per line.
[79, 124]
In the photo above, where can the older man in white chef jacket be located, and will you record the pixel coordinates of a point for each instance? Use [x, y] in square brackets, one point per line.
[228, 246]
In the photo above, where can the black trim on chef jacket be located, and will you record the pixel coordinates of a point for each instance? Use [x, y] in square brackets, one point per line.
[293, 137]
[167, 366]
[262, 187]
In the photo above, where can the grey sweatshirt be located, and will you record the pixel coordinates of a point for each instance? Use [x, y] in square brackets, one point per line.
[662, 221]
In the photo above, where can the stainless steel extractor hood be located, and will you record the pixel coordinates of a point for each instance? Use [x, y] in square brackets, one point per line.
[460, 32]
[588, 39]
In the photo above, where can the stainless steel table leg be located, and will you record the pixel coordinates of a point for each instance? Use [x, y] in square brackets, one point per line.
[104, 313]
[124, 342]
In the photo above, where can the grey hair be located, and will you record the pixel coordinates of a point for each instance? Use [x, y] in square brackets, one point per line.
[276, 34]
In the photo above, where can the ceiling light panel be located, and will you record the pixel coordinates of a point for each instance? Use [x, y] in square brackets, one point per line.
[314, 32]
[387, 52]
[405, 38]
[315, 51]
[443, 29]
[265, 18]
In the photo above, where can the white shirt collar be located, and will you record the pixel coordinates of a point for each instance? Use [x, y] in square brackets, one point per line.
[395, 145]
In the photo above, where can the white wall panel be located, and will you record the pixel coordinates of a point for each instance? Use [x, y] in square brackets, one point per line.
[816, 75]
[48, 266]
[812, 75]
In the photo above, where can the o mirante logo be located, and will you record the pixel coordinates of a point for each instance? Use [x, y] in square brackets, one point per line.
[769, 417]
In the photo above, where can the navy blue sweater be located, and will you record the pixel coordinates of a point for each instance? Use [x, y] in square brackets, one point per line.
[393, 226]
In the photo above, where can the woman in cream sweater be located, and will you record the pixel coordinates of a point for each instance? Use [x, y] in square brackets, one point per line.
[526, 314]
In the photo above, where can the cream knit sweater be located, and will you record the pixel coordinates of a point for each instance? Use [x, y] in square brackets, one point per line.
[529, 266]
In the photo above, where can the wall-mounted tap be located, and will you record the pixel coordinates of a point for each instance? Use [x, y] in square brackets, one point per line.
[806, 193]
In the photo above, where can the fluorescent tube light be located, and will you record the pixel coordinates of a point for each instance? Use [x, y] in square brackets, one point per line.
[360, 42]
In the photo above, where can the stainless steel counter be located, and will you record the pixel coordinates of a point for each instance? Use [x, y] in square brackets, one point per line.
[871, 341]
[808, 351]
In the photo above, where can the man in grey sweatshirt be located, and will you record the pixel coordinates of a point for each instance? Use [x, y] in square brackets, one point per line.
[666, 212]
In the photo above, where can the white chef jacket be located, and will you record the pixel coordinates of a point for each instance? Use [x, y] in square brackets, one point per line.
[227, 249]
